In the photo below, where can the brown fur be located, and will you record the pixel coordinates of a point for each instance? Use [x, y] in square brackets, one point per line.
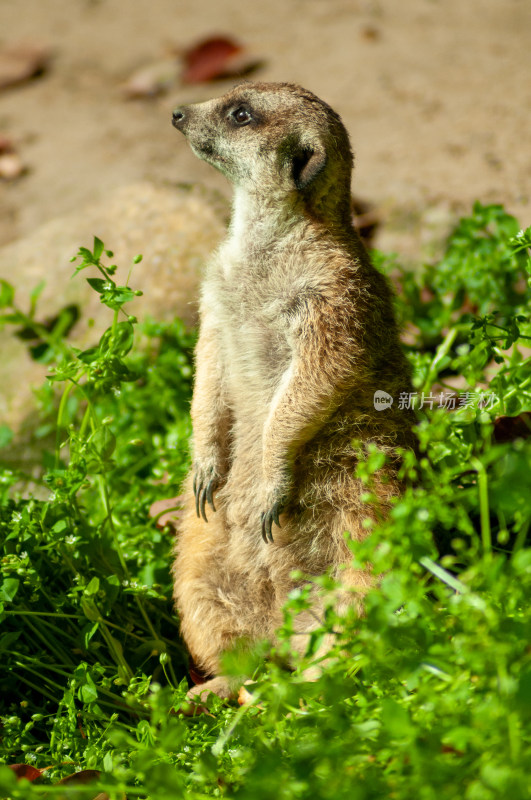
[297, 333]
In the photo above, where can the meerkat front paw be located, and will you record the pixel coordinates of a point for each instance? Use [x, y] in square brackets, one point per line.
[275, 502]
[206, 480]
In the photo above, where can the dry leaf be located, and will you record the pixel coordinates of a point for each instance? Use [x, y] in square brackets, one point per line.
[245, 698]
[83, 776]
[166, 512]
[507, 429]
[27, 771]
[86, 776]
[21, 61]
[11, 166]
[152, 80]
[208, 59]
[447, 748]
[215, 58]
[371, 33]
[6, 144]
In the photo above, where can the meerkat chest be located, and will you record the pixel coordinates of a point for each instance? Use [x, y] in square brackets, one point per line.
[249, 302]
[260, 274]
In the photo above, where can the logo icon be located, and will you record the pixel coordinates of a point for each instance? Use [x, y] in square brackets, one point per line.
[382, 400]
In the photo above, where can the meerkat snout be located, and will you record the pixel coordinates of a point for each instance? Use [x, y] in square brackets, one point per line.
[178, 117]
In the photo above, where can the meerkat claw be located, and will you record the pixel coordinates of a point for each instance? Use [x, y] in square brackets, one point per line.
[204, 493]
[212, 485]
[202, 503]
[265, 536]
[268, 517]
[275, 511]
[197, 492]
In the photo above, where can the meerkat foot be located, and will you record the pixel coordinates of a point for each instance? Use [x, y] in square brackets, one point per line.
[221, 686]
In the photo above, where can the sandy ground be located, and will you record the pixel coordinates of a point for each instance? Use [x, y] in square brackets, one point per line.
[436, 95]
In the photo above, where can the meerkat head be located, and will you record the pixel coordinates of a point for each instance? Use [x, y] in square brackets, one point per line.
[276, 140]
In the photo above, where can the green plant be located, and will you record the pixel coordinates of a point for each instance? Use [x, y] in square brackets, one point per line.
[428, 695]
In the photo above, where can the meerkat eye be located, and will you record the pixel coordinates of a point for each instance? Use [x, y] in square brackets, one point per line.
[241, 116]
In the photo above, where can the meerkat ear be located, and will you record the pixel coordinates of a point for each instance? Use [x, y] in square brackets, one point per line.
[307, 163]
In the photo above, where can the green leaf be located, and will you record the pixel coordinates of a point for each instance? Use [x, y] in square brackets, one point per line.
[97, 284]
[8, 781]
[116, 296]
[523, 694]
[16, 318]
[103, 442]
[9, 589]
[92, 587]
[85, 254]
[98, 248]
[88, 632]
[90, 609]
[36, 292]
[6, 435]
[88, 692]
[119, 341]
[90, 355]
[64, 370]
[395, 720]
[8, 639]
[7, 294]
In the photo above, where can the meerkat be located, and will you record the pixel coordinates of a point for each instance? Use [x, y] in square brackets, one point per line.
[297, 333]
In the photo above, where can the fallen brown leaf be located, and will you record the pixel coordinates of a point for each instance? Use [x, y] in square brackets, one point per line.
[447, 748]
[26, 771]
[152, 80]
[507, 429]
[11, 166]
[6, 144]
[166, 512]
[245, 698]
[208, 59]
[83, 776]
[21, 61]
[215, 58]
[371, 33]
[86, 776]
[426, 294]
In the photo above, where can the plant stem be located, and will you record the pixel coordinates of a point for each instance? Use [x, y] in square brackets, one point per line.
[60, 413]
[442, 351]
[483, 507]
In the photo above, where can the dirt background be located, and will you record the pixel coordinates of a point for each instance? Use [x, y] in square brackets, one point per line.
[435, 93]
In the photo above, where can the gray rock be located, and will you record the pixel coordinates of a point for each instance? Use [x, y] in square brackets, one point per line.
[174, 227]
